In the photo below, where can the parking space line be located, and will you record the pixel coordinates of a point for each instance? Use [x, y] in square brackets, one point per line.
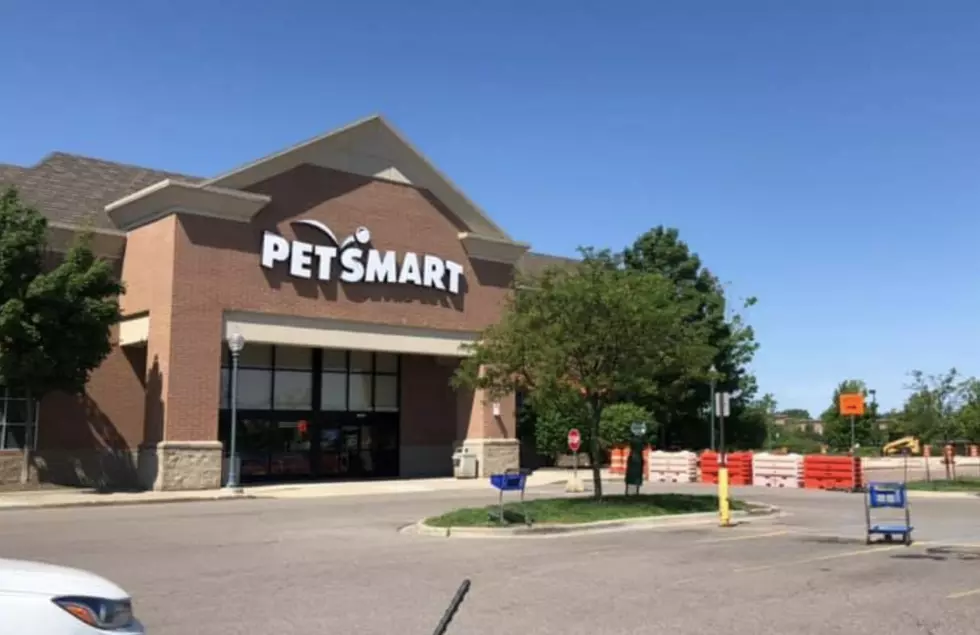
[963, 594]
[832, 556]
[771, 534]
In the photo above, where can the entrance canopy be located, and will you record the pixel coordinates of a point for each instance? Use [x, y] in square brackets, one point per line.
[328, 333]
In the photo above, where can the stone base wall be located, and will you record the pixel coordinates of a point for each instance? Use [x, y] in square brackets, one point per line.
[10, 466]
[181, 465]
[99, 469]
[495, 455]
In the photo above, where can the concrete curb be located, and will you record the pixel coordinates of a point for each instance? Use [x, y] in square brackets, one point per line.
[121, 503]
[916, 493]
[701, 518]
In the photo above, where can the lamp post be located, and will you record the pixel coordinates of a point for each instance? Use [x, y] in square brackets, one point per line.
[713, 371]
[236, 342]
[874, 414]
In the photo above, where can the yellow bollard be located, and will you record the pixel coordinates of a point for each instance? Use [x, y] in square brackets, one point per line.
[723, 509]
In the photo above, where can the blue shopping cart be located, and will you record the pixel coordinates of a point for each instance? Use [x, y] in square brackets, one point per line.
[888, 496]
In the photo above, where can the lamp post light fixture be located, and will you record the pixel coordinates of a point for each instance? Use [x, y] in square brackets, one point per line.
[236, 342]
[713, 372]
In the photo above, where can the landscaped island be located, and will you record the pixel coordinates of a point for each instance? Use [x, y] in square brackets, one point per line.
[578, 510]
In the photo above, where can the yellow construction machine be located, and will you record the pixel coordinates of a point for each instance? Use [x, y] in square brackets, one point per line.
[905, 443]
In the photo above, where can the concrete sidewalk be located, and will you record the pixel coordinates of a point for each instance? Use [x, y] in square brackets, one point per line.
[69, 497]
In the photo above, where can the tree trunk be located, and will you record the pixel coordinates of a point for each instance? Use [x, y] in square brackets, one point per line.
[28, 459]
[594, 451]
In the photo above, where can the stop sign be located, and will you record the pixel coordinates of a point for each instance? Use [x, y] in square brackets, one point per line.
[574, 440]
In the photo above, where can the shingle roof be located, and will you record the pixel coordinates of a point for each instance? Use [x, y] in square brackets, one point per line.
[72, 189]
[533, 263]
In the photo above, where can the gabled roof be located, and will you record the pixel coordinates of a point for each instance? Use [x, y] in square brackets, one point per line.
[369, 147]
[73, 190]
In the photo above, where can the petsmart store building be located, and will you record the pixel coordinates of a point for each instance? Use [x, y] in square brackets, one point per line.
[352, 270]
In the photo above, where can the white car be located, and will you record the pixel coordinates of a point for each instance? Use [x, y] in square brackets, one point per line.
[44, 599]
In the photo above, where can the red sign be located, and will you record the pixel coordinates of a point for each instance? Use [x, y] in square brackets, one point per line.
[574, 440]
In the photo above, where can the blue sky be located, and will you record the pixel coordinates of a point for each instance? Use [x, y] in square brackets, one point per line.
[820, 155]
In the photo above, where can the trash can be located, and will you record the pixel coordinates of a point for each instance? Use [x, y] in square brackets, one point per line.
[464, 463]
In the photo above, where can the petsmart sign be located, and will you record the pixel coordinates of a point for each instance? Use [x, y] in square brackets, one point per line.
[354, 260]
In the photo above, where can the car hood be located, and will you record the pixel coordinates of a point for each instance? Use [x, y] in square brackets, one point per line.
[22, 576]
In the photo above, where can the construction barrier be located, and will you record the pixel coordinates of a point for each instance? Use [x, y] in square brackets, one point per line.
[617, 460]
[673, 467]
[618, 457]
[739, 467]
[823, 471]
[777, 470]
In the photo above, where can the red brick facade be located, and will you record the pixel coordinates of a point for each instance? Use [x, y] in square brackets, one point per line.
[185, 271]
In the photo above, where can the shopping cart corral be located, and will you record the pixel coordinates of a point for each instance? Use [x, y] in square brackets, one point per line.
[887, 496]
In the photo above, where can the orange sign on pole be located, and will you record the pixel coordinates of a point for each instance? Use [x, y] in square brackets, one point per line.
[852, 404]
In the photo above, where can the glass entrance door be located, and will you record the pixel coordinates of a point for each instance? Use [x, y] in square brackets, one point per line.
[357, 445]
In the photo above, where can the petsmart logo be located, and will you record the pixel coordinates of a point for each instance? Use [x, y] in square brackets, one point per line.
[358, 261]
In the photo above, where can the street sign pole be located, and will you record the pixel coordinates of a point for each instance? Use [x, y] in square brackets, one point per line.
[724, 510]
[574, 444]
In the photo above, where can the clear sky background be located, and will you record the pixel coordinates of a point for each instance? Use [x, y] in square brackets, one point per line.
[821, 155]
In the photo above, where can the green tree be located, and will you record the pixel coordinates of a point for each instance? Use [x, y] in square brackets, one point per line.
[968, 417]
[766, 406]
[682, 402]
[931, 410]
[595, 330]
[837, 427]
[54, 324]
[615, 426]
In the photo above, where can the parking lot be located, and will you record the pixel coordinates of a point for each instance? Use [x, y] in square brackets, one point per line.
[330, 565]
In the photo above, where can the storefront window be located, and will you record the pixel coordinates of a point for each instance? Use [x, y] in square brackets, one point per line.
[359, 392]
[386, 393]
[333, 391]
[293, 390]
[361, 362]
[281, 378]
[254, 389]
[359, 381]
[13, 420]
[386, 363]
[335, 360]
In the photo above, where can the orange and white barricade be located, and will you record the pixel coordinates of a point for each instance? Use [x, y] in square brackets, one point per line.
[777, 470]
[673, 467]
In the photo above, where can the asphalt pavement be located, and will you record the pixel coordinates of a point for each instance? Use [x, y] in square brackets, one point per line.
[341, 565]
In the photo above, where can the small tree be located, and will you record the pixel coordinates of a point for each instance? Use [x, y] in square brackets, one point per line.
[932, 408]
[596, 331]
[54, 325]
[968, 416]
[615, 426]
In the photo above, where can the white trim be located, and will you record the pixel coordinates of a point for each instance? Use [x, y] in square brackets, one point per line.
[170, 196]
[379, 139]
[329, 333]
[492, 249]
[134, 330]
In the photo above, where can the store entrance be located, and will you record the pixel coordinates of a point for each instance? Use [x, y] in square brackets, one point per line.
[356, 445]
[310, 414]
[284, 447]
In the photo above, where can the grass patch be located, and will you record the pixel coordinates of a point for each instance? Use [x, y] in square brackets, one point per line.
[959, 485]
[571, 511]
